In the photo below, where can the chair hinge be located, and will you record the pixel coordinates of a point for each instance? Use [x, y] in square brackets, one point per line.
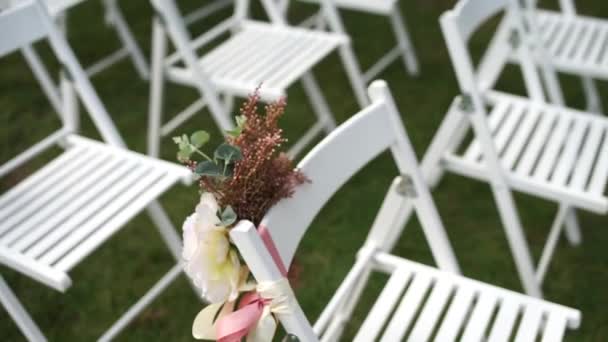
[466, 103]
[406, 186]
[514, 39]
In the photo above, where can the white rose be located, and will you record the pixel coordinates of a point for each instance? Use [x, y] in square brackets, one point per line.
[209, 260]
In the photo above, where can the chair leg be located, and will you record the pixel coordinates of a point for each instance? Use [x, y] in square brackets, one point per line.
[353, 71]
[157, 82]
[168, 233]
[318, 102]
[141, 304]
[517, 240]
[594, 102]
[17, 312]
[573, 231]
[115, 18]
[556, 228]
[405, 44]
[165, 228]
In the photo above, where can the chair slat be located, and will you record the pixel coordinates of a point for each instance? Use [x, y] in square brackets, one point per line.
[496, 117]
[555, 328]
[480, 317]
[530, 324]
[503, 326]
[574, 40]
[552, 148]
[570, 153]
[429, 317]
[405, 312]
[600, 173]
[599, 45]
[560, 39]
[550, 30]
[507, 129]
[580, 56]
[535, 145]
[521, 138]
[383, 306]
[583, 168]
[456, 314]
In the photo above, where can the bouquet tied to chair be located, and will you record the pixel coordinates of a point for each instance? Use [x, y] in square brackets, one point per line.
[242, 179]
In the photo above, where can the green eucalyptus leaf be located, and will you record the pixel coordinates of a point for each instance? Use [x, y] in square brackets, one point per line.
[208, 168]
[228, 216]
[199, 138]
[240, 125]
[226, 167]
[228, 153]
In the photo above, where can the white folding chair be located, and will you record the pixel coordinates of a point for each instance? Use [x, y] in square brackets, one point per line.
[525, 144]
[562, 41]
[415, 295]
[390, 9]
[270, 55]
[53, 219]
[113, 17]
[575, 45]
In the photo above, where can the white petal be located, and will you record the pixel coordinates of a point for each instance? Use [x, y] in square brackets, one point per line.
[190, 239]
[208, 200]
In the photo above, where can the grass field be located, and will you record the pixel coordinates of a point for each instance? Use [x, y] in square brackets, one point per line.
[114, 276]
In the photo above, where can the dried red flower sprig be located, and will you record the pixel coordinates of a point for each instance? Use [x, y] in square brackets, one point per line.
[261, 175]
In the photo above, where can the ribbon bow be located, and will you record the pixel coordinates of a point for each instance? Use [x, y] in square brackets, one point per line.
[253, 318]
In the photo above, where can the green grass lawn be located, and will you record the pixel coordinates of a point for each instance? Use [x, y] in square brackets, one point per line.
[118, 273]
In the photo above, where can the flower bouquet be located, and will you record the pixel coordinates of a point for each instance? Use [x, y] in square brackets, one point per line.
[241, 180]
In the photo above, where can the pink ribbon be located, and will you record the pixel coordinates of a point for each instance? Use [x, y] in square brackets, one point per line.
[236, 325]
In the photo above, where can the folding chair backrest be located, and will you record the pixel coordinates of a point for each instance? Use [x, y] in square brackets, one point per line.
[329, 165]
[459, 24]
[275, 9]
[23, 24]
[335, 160]
[20, 25]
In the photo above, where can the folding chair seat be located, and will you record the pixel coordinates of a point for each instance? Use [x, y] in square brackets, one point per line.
[54, 218]
[545, 150]
[51, 220]
[548, 151]
[404, 48]
[417, 302]
[262, 54]
[269, 55]
[575, 43]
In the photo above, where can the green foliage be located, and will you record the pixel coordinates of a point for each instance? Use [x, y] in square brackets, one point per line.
[240, 124]
[220, 166]
[228, 153]
[208, 168]
[200, 138]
